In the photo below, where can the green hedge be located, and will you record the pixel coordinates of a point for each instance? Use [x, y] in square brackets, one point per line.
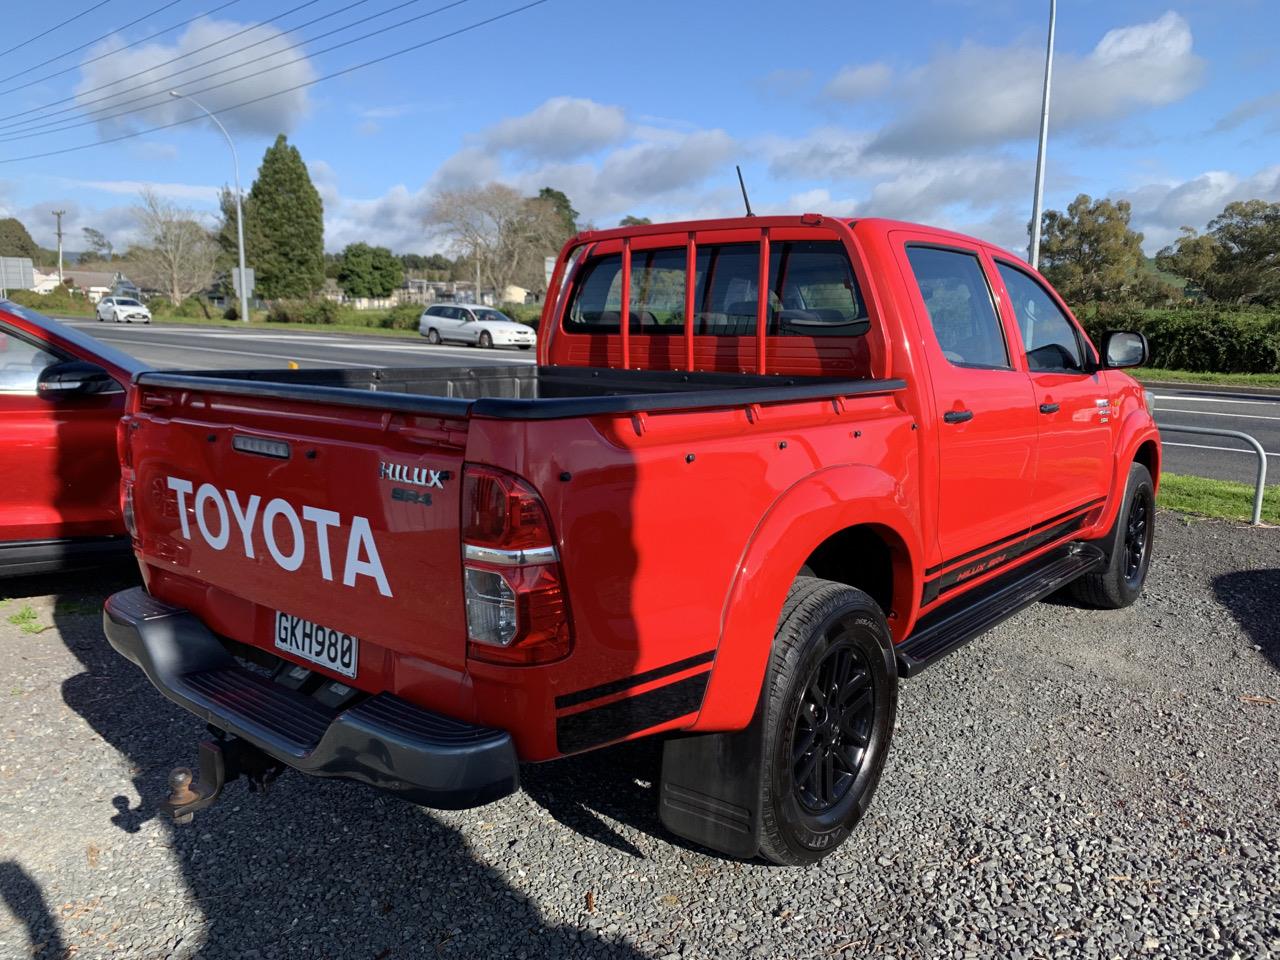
[304, 311]
[58, 300]
[527, 313]
[1200, 340]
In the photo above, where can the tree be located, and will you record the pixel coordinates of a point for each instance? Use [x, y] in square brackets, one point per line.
[568, 215]
[15, 241]
[100, 248]
[177, 254]
[284, 226]
[1090, 254]
[630, 221]
[1237, 260]
[369, 271]
[507, 234]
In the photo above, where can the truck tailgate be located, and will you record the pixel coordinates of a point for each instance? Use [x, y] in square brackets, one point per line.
[342, 517]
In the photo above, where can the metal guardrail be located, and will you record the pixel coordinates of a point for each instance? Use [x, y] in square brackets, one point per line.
[1247, 438]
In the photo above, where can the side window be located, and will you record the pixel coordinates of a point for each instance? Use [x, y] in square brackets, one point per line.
[961, 311]
[21, 363]
[1047, 332]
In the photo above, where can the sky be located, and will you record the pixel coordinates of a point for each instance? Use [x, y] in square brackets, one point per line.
[924, 110]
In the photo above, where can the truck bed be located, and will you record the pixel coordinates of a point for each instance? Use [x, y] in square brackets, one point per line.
[518, 393]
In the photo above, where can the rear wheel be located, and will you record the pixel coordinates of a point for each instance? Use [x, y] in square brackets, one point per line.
[433, 336]
[486, 340]
[831, 696]
[1120, 582]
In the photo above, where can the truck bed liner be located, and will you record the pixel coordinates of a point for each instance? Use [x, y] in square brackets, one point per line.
[516, 393]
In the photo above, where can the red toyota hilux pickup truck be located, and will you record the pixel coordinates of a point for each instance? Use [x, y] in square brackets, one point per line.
[763, 469]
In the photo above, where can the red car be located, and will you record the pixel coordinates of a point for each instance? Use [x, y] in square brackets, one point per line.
[61, 397]
[765, 468]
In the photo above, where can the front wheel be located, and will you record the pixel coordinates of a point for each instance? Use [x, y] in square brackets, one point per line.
[433, 336]
[526, 346]
[1120, 582]
[830, 700]
[486, 340]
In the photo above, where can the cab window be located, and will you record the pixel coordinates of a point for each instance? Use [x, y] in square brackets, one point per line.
[1047, 333]
[960, 307]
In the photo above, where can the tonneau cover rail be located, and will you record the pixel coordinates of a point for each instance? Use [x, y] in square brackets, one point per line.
[609, 391]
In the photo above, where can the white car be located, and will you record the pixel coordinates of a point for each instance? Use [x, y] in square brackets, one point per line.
[122, 310]
[472, 323]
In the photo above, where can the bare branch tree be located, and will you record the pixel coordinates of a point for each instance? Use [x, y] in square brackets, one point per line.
[176, 254]
[509, 234]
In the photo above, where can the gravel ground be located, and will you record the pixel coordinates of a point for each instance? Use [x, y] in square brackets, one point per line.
[1075, 784]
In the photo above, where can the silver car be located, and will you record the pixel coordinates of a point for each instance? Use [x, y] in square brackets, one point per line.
[122, 310]
[475, 324]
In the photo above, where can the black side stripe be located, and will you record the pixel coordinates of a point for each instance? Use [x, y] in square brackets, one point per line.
[635, 680]
[955, 578]
[1012, 537]
[613, 721]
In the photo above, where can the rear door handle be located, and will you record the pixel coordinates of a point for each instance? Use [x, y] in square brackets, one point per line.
[958, 416]
[1048, 408]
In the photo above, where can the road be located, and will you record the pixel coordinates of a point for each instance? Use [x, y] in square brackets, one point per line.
[226, 348]
[1223, 458]
[172, 346]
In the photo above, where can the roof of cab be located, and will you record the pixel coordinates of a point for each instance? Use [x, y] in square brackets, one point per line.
[861, 225]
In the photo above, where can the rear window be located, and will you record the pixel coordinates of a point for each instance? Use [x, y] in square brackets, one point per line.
[812, 292]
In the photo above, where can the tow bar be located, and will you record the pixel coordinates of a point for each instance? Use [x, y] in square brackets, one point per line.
[221, 760]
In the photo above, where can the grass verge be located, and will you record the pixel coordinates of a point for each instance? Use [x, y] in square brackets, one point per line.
[1222, 499]
[1157, 375]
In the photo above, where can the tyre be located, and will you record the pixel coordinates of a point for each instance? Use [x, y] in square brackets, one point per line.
[486, 340]
[433, 336]
[526, 346]
[829, 704]
[1119, 583]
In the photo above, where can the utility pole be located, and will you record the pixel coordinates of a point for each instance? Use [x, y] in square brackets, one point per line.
[58, 215]
[1033, 254]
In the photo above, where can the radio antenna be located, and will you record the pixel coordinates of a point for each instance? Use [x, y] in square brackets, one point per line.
[742, 183]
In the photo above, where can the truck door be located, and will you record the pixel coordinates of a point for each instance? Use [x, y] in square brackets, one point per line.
[984, 405]
[1074, 458]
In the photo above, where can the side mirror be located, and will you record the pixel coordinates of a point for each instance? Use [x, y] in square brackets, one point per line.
[74, 378]
[1122, 348]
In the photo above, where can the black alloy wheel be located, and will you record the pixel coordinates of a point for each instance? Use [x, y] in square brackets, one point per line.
[1137, 539]
[832, 726]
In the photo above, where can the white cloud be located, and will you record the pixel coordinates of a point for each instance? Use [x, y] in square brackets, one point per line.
[854, 83]
[562, 128]
[1267, 106]
[251, 53]
[1161, 209]
[977, 95]
[201, 193]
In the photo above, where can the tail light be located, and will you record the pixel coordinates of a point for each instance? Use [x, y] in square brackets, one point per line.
[512, 580]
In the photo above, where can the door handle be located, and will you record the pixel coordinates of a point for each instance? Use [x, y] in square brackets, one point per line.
[1048, 408]
[958, 416]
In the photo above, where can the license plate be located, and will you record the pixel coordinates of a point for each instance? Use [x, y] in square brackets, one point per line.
[322, 645]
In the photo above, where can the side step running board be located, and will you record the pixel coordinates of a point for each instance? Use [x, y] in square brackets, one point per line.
[974, 613]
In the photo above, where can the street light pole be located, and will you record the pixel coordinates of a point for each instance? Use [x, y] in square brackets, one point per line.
[235, 160]
[1034, 252]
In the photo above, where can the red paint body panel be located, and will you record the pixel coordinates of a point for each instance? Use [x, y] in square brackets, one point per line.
[678, 531]
[58, 464]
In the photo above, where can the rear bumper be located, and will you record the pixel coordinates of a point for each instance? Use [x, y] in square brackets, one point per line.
[383, 741]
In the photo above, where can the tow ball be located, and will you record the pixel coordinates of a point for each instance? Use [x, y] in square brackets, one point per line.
[221, 761]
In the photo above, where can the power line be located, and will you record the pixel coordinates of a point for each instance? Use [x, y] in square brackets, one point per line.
[56, 26]
[61, 126]
[39, 124]
[297, 86]
[109, 53]
[231, 36]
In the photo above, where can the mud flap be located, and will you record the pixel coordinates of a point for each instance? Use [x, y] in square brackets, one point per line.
[711, 788]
